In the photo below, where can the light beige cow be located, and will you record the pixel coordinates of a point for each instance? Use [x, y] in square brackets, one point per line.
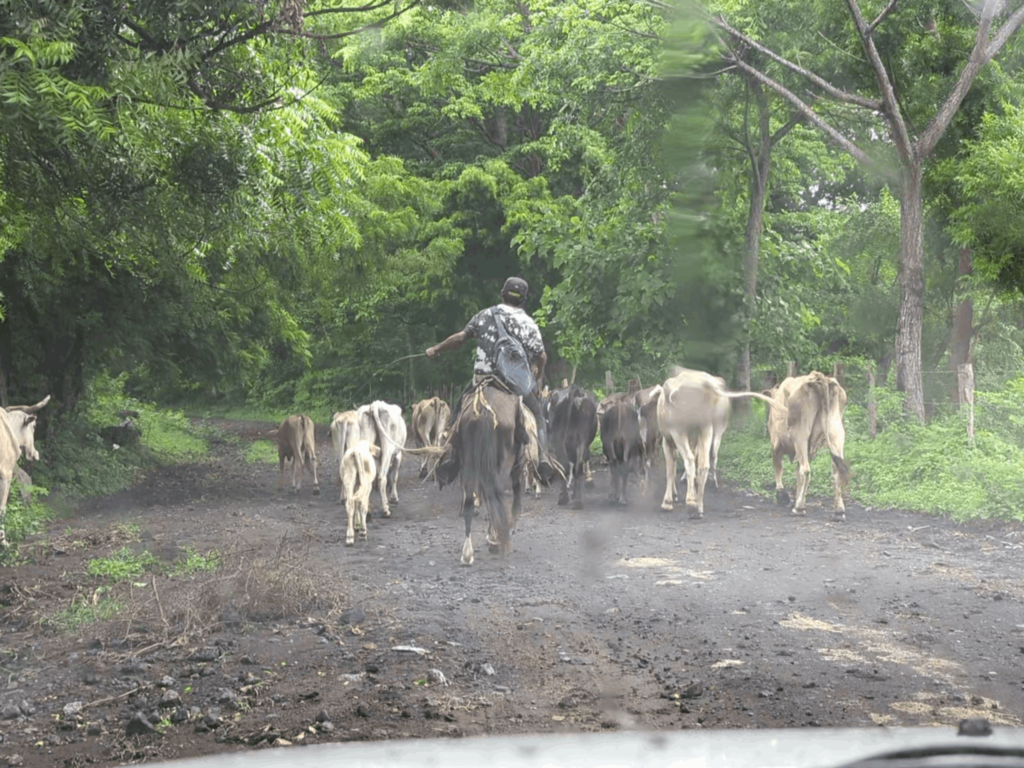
[814, 419]
[345, 432]
[358, 471]
[17, 437]
[429, 421]
[693, 402]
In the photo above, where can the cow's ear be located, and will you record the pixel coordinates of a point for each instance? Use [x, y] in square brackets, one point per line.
[766, 392]
[30, 420]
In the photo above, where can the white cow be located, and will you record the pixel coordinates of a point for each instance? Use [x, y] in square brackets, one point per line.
[17, 436]
[358, 472]
[384, 421]
[345, 433]
[694, 401]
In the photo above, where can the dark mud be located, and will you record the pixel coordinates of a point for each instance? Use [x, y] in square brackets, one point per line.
[605, 618]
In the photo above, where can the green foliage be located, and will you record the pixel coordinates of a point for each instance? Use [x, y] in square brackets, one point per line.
[261, 452]
[193, 562]
[122, 565]
[25, 518]
[80, 463]
[82, 612]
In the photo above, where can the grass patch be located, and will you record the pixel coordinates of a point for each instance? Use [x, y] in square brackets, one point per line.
[195, 562]
[122, 565]
[261, 452]
[24, 518]
[171, 435]
[81, 613]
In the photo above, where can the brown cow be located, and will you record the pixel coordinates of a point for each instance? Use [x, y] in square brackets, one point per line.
[815, 404]
[296, 443]
[429, 421]
[17, 436]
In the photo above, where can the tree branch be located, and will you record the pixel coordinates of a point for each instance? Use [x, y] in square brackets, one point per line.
[371, 25]
[780, 134]
[901, 138]
[856, 152]
[979, 55]
[881, 17]
[836, 93]
[1004, 34]
[357, 9]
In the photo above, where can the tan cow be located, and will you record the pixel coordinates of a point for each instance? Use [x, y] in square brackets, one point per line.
[17, 436]
[345, 432]
[429, 420]
[358, 471]
[815, 404]
[297, 443]
[692, 402]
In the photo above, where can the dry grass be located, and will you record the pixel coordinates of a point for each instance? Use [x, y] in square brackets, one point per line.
[252, 586]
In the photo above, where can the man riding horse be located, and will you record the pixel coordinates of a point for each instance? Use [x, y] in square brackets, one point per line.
[488, 327]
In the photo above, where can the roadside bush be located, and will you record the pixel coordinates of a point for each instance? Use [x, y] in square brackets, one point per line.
[78, 462]
[25, 518]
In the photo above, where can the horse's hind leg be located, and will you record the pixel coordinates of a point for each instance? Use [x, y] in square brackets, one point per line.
[467, 513]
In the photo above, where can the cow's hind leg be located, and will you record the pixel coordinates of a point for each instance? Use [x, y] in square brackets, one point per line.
[803, 479]
[5, 490]
[839, 512]
[563, 497]
[350, 513]
[690, 463]
[577, 490]
[716, 442]
[781, 496]
[467, 514]
[703, 460]
[669, 449]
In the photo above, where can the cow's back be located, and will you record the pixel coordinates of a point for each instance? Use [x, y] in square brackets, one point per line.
[811, 400]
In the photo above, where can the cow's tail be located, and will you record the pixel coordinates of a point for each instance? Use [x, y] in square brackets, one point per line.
[336, 435]
[840, 463]
[771, 402]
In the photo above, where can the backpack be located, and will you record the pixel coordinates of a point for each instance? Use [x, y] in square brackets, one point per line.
[510, 360]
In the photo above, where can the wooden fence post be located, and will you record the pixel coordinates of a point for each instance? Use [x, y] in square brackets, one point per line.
[572, 380]
[609, 383]
[872, 406]
[791, 371]
[839, 373]
[634, 386]
[565, 383]
[965, 388]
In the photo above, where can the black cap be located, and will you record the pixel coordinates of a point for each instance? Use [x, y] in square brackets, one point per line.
[516, 287]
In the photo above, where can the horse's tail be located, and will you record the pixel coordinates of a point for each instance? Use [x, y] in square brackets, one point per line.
[480, 468]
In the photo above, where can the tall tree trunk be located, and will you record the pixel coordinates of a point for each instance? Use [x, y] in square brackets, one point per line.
[911, 318]
[752, 246]
[963, 326]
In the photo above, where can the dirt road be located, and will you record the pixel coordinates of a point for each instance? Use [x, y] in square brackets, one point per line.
[606, 618]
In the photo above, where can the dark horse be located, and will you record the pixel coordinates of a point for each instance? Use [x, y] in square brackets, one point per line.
[489, 436]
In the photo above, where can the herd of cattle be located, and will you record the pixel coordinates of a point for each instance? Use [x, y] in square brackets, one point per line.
[686, 415]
